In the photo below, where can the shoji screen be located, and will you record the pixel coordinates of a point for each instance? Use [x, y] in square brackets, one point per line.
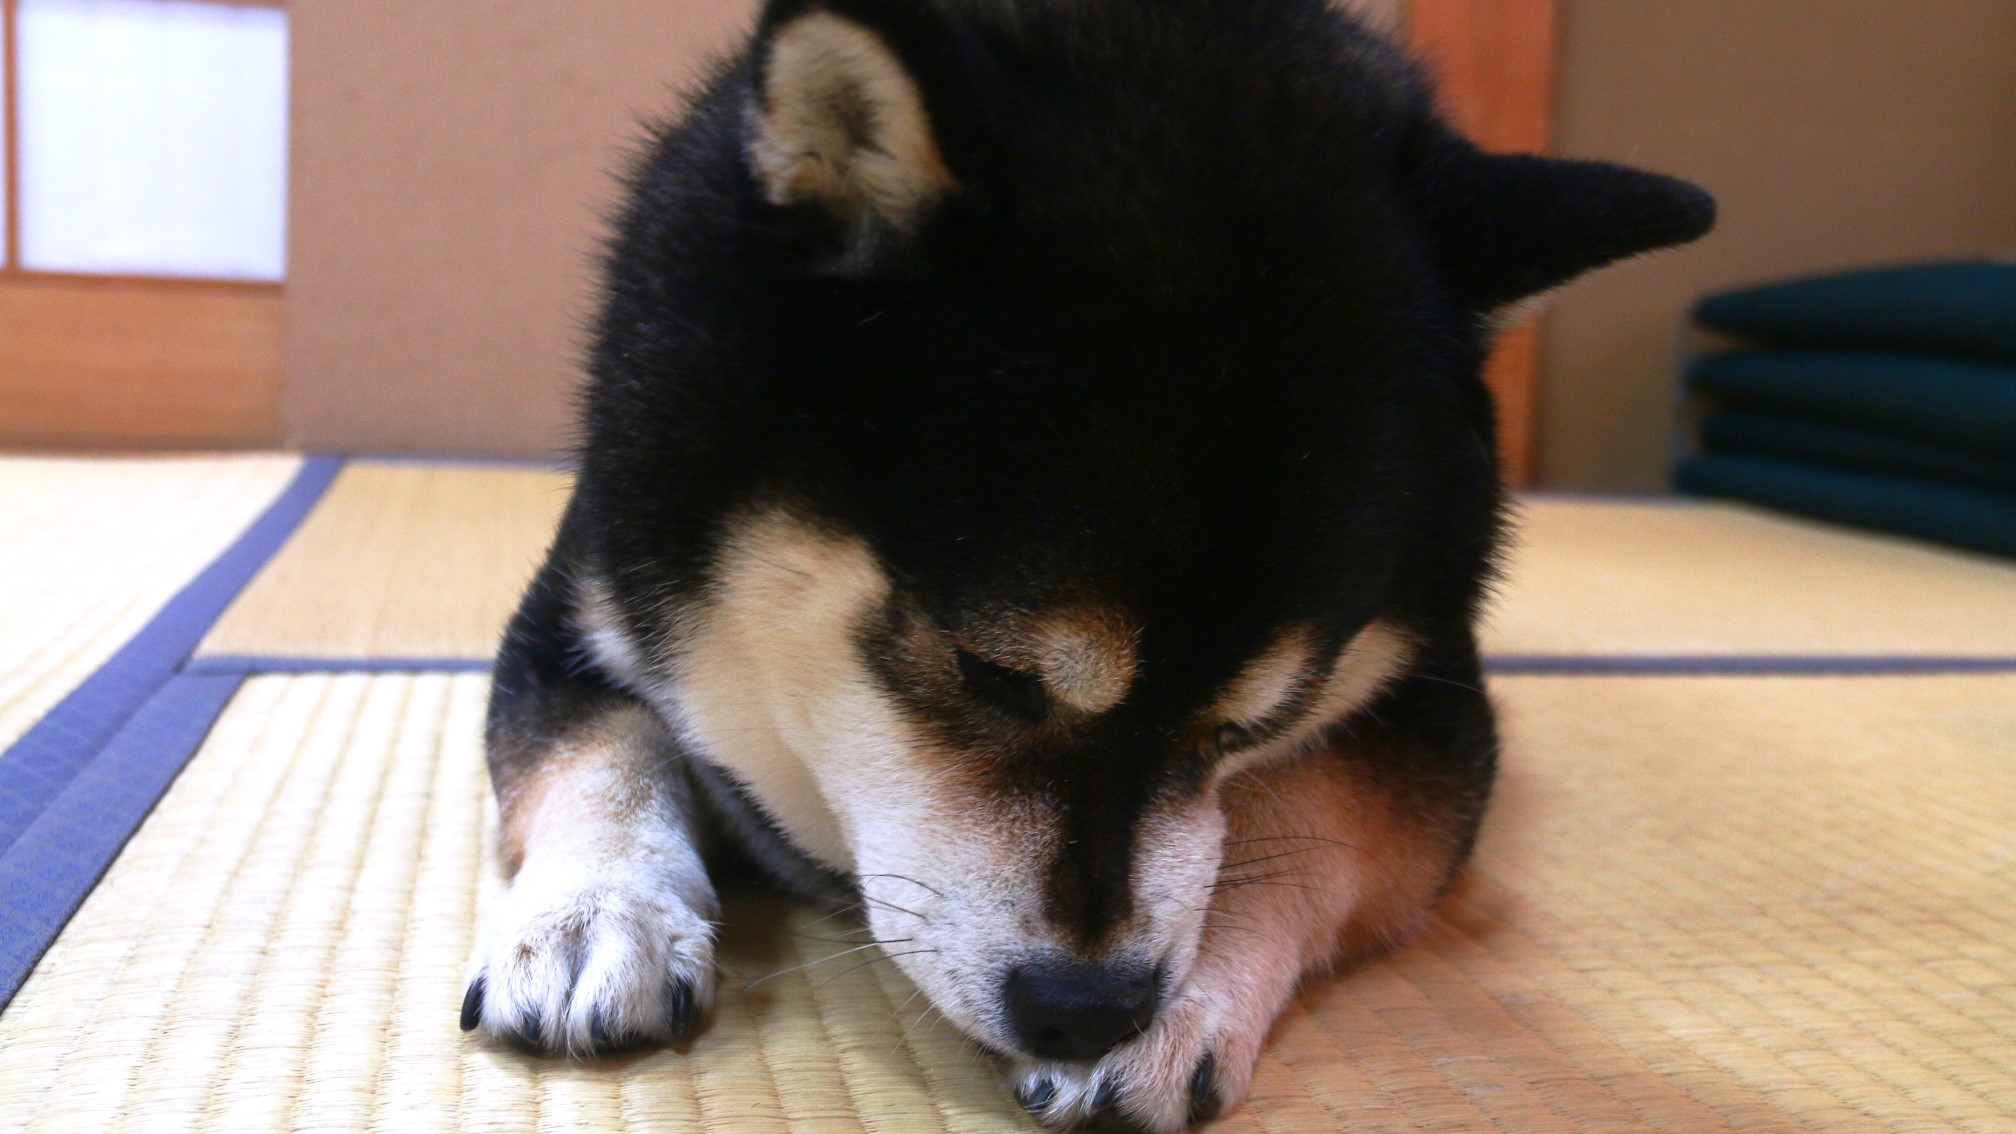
[152, 137]
[145, 202]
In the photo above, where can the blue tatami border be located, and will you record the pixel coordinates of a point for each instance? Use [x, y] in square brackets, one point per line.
[246, 665]
[37, 767]
[78, 783]
[54, 863]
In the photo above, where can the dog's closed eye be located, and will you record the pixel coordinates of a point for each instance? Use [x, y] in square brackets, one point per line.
[1233, 735]
[1020, 694]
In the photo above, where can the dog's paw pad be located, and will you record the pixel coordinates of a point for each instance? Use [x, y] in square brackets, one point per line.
[591, 970]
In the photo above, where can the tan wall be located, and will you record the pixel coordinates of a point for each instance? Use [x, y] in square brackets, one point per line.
[449, 164]
[1834, 132]
[450, 161]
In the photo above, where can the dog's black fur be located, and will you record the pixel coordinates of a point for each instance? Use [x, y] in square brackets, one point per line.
[1201, 325]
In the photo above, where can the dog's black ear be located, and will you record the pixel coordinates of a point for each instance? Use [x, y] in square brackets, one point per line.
[1508, 226]
[840, 123]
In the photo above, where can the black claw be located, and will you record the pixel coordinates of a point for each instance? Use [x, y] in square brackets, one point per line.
[472, 1004]
[528, 1028]
[1204, 1103]
[1106, 1116]
[1034, 1099]
[680, 1008]
[598, 1028]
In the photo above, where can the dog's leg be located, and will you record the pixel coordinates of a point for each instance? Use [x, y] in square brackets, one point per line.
[605, 935]
[1337, 854]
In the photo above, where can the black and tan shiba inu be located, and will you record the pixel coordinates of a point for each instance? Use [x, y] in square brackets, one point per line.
[1036, 484]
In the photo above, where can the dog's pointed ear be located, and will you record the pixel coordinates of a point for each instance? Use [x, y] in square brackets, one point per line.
[839, 121]
[1508, 226]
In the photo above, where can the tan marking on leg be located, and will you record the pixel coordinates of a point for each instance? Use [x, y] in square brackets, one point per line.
[516, 805]
[1322, 861]
[1322, 819]
[595, 776]
[609, 907]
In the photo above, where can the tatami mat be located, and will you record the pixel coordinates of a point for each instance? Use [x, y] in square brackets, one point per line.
[400, 560]
[426, 561]
[91, 548]
[1591, 577]
[1701, 904]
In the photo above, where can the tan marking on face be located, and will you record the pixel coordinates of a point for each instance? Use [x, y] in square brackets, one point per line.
[843, 123]
[1282, 802]
[1270, 681]
[1375, 656]
[770, 684]
[1085, 655]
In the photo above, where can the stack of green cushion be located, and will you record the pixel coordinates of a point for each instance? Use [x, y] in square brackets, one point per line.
[1883, 398]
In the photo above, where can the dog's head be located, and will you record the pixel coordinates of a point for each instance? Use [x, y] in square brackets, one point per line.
[1043, 413]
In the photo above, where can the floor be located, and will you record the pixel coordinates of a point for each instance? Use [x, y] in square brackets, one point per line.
[1750, 867]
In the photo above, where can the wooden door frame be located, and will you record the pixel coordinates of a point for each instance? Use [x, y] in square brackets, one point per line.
[1493, 62]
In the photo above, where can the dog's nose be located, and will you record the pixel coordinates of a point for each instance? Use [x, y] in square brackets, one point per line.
[1066, 1009]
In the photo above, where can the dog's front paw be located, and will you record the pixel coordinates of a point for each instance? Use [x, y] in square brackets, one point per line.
[1193, 1064]
[586, 964]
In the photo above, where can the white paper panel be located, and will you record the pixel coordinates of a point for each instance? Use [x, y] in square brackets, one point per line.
[6, 78]
[153, 137]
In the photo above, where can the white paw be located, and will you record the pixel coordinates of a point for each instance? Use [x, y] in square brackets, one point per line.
[584, 964]
[1192, 1064]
